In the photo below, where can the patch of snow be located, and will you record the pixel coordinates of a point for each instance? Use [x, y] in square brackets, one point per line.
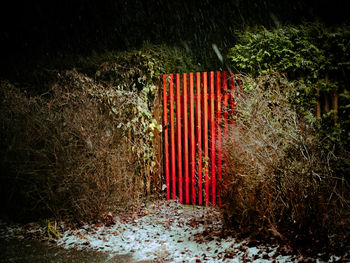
[334, 259]
[168, 231]
[163, 232]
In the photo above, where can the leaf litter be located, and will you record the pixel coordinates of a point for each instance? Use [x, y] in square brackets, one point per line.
[163, 232]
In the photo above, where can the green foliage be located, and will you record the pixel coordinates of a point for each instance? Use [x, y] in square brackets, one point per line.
[315, 58]
[144, 65]
[140, 71]
[308, 50]
[291, 177]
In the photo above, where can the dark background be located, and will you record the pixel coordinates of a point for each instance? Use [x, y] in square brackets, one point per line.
[35, 29]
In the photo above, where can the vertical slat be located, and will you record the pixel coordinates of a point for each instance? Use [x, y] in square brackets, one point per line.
[212, 137]
[199, 137]
[185, 121]
[192, 141]
[225, 105]
[178, 135]
[205, 135]
[172, 137]
[218, 127]
[166, 139]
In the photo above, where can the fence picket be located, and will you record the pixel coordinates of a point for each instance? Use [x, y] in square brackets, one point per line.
[192, 142]
[178, 134]
[218, 133]
[199, 136]
[172, 137]
[185, 118]
[212, 137]
[225, 106]
[205, 137]
[166, 138]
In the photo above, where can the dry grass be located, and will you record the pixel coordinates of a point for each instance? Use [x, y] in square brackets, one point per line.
[63, 154]
[282, 179]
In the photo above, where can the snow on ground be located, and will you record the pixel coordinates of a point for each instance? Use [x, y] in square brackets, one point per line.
[170, 232]
[162, 232]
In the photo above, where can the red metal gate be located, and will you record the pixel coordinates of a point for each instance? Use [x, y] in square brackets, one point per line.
[195, 119]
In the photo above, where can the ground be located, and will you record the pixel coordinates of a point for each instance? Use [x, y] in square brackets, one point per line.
[162, 231]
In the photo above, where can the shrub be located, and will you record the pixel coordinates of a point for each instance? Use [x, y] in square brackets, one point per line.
[88, 143]
[68, 153]
[282, 179]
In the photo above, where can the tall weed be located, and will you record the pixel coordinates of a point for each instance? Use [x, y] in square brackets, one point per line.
[283, 180]
[66, 153]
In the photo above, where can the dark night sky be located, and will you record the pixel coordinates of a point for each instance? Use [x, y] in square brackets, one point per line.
[38, 27]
